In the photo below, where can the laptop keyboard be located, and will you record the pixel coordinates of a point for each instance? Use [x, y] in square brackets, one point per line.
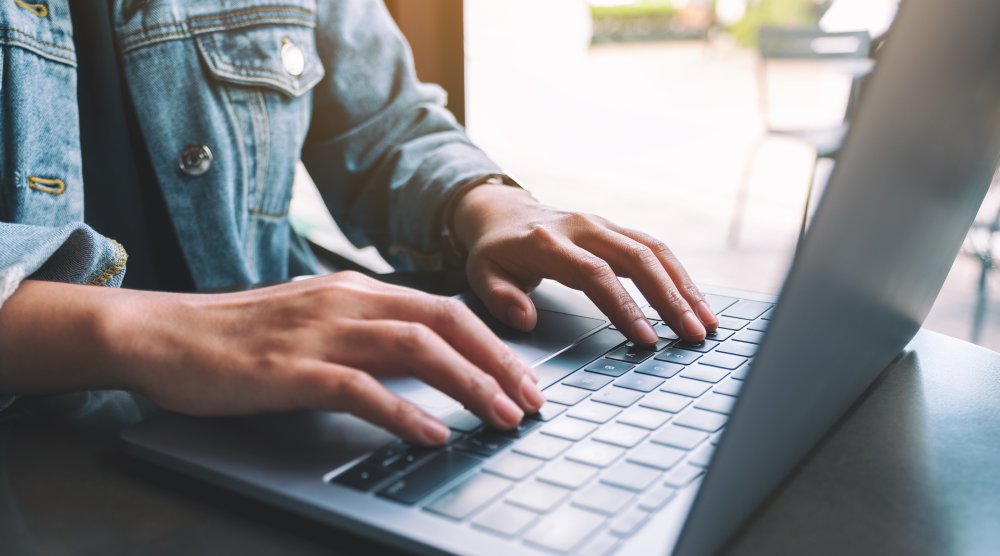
[615, 441]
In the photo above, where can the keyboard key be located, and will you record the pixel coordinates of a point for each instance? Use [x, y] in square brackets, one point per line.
[717, 403]
[679, 437]
[569, 428]
[363, 477]
[505, 519]
[563, 530]
[583, 352]
[702, 420]
[638, 382]
[715, 438]
[617, 396]
[537, 496]
[484, 443]
[594, 453]
[705, 373]
[522, 429]
[653, 500]
[719, 303]
[703, 456]
[442, 468]
[722, 360]
[678, 356]
[729, 387]
[731, 323]
[685, 387]
[463, 421]
[655, 456]
[412, 456]
[587, 381]
[608, 367]
[749, 336]
[659, 345]
[565, 395]
[651, 314]
[682, 476]
[549, 411]
[620, 435]
[642, 417]
[758, 326]
[741, 373]
[631, 353]
[661, 369]
[701, 347]
[665, 332]
[663, 401]
[513, 466]
[542, 446]
[603, 498]
[386, 455]
[627, 522]
[719, 335]
[566, 474]
[469, 496]
[594, 412]
[742, 349]
[746, 309]
[767, 315]
[631, 476]
[604, 544]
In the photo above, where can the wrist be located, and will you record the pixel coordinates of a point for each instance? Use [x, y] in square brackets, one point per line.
[483, 207]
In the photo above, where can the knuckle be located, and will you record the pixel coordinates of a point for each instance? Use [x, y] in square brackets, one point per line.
[540, 234]
[596, 267]
[676, 300]
[413, 337]
[400, 411]
[641, 254]
[448, 310]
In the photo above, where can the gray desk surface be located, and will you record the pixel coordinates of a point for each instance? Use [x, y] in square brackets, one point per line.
[914, 468]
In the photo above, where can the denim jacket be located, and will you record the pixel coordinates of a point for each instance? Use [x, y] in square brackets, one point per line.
[229, 95]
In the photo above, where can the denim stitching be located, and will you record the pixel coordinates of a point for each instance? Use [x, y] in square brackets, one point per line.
[265, 150]
[40, 51]
[115, 268]
[239, 14]
[185, 33]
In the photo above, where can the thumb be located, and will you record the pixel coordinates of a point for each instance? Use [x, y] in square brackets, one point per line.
[502, 295]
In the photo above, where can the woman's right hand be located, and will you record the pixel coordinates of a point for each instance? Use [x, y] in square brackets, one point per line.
[314, 344]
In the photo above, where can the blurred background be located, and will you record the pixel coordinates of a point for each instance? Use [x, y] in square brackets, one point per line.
[705, 123]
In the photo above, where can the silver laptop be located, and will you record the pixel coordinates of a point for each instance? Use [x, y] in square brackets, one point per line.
[667, 450]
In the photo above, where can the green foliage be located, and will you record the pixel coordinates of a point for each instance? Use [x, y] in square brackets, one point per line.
[790, 13]
[635, 10]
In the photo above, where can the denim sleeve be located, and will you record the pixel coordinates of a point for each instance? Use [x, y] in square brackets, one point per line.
[74, 253]
[382, 149]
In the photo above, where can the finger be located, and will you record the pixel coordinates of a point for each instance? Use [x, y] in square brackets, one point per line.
[677, 273]
[631, 258]
[578, 268]
[503, 297]
[462, 329]
[410, 348]
[334, 387]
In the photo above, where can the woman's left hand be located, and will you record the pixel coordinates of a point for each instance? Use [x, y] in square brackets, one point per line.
[514, 242]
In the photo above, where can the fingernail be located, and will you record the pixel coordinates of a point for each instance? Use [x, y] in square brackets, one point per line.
[643, 332]
[531, 394]
[706, 315]
[506, 411]
[692, 326]
[434, 431]
[517, 317]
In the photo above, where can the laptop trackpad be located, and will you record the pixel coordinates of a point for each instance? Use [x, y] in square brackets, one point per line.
[554, 332]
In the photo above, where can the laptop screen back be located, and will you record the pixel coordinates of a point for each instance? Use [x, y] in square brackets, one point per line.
[912, 175]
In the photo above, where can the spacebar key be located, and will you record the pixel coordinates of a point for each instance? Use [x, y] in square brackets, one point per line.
[424, 480]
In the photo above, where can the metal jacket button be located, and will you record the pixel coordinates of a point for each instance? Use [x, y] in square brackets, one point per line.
[195, 160]
[292, 57]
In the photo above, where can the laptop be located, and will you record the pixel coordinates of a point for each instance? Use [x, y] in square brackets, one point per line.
[666, 450]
